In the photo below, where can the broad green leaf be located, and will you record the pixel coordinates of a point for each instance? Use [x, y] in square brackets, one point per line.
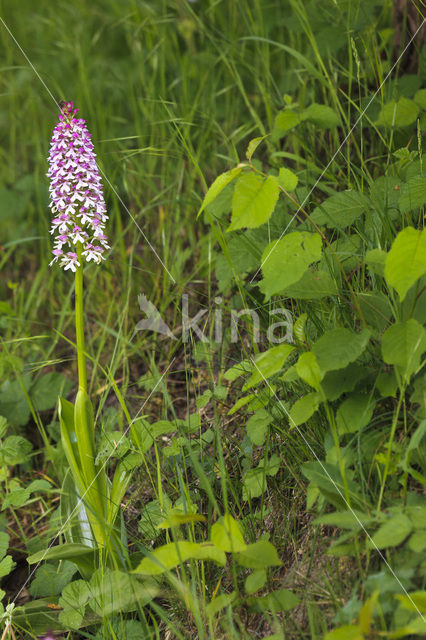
[254, 483]
[14, 450]
[354, 413]
[341, 209]
[255, 581]
[391, 533]
[420, 98]
[170, 555]
[115, 591]
[68, 551]
[50, 579]
[257, 426]
[287, 179]
[219, 603]
[18, 497]
[218, 185]
[398, 113]
[352, 520]
[347, 632]
[284, 121]
[406, 261]
[245, 366]
[321, 115]
[339, 347]
[376, 260]
[73, 601]
[44, 393]
[177, 519]
[241, 402]
[281, 600]
[226, 534]
[308, 369]
[376, 308]
[304, 408]
[284, 261]
[328, 479]
[252, 146]
[254, 201]
[403, 345]
[414, 601]
[387, 385]
[267, 364]
[313, 285]
[413, 194]
[259, 555]
[341, 381]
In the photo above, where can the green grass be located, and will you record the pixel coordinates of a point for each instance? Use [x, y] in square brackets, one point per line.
[173, 92]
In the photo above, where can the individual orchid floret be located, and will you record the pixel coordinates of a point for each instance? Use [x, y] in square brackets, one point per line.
[76, 197]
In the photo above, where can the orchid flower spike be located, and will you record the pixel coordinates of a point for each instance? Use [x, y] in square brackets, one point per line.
[76, 198]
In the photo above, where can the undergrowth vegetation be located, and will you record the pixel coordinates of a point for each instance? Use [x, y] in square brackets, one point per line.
[255, 339]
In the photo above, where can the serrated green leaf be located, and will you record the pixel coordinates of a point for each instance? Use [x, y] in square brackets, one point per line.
[339, 347]
[287, 179]
[257, 427]
[255, 581]
[226, 534]
[259, 555]
[406, 261]
[391, 533]
[413, 194]
[304, 408]
[321, 115]
[341, 209]
[398, 113]
[267, 364]
[218, 185]
[284, 261]
[254, 201]
[403, 344]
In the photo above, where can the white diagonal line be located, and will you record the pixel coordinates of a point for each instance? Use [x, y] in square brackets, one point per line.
[338, 151]
[80, 500]
[339, 492]
[102, 172]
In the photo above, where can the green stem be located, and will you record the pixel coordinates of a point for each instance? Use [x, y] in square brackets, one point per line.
[390, 443]
[79, 323]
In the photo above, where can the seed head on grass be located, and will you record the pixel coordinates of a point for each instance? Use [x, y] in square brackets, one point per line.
[76, 197]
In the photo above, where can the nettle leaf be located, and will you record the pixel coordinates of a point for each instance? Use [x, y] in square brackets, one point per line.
[226, 534]
[268, 364]
[384, 195]
[403, 345]
[341, 209]
[308, 369]
[281, 600]
[14, 450]
[218, 185]
[406, 261]
[354, 413]
[254, 201]
[18, 497]
[304, 408]
[313, 285]
[259, 555]
[391, 533]
[257, 426]
[413, 194]
[321, 115]
[284, 261]
[339, 347]
[255, 581]
[287, 179]
[398, 113]
[170, 555]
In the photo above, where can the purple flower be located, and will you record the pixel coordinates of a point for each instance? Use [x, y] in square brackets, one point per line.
[76, 198]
